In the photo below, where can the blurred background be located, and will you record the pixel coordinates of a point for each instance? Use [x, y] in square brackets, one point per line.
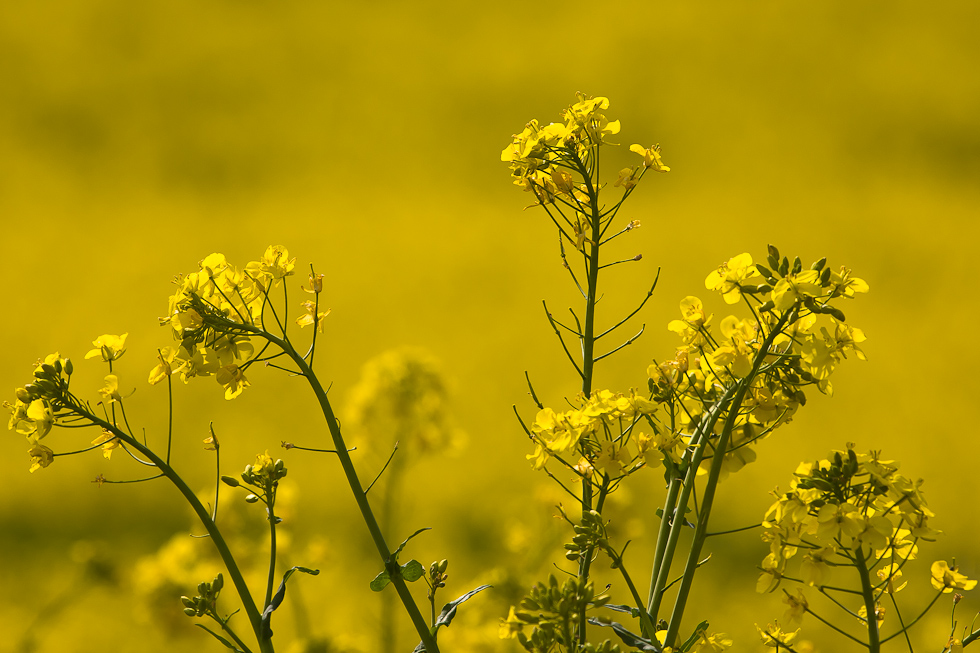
[136, 138]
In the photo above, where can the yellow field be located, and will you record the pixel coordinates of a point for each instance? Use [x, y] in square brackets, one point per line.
[135, 139]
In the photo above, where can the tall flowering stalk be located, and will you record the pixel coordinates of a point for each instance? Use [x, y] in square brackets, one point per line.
[226, 321]
[704, 409]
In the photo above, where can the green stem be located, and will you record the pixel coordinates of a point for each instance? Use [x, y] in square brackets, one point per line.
[874, 643]
[693, 456]
[360, 497]
[717, 461]
[270, 493]
[588, 354]
[251, 611]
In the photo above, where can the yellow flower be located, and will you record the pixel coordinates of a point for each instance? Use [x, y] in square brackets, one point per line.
[794, 287]
[892, 574]
[43, 417]
[729, 278]
[316, 284]
[774, 637]
[651, 157]
[41, 456]
[108, 442]
[274, 265]
[628, 178]
[879, 615]
[948, 578]
[110, 392]
[163, 369]
[308, 318]
[846, 285]
[511, 626]
[233, 379]
[713, 644]
[797, 608]
[109, 347]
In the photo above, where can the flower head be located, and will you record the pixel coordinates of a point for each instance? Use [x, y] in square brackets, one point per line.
[109, 347]
[948, 578]
[41, 456]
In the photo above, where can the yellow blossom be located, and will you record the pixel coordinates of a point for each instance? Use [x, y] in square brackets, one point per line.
[948, 578]
[109, 347]
[312, 316]
[110, 392]
[651, 157]
[731, 276]
[108, 442]
[233, 379]
[163, 369]
[41, 456]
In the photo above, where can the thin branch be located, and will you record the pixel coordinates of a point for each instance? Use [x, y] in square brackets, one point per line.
[393, 451]
[628, 342]
[531, 388]
[637, 310]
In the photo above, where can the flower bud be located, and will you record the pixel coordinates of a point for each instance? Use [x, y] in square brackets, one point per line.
[252, 498]
[190, 612]
[69, 368]
[187, 601]
[229, 481]
[23, 395]
[219, 582]
[819, 264]
[443, 565]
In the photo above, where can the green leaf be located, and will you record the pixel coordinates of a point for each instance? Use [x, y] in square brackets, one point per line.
[449, 613]
[380, 581]
[220, 638]
[407, 539]
[412, 570]
[630, 639]
[281, 594]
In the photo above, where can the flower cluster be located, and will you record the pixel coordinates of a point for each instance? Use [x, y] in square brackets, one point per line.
[602, 431]
[41, 405]
[853, 510]
[550, 610]
[207, 312]
[544, 158]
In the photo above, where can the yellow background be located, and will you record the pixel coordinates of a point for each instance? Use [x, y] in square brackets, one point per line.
[136, 138]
